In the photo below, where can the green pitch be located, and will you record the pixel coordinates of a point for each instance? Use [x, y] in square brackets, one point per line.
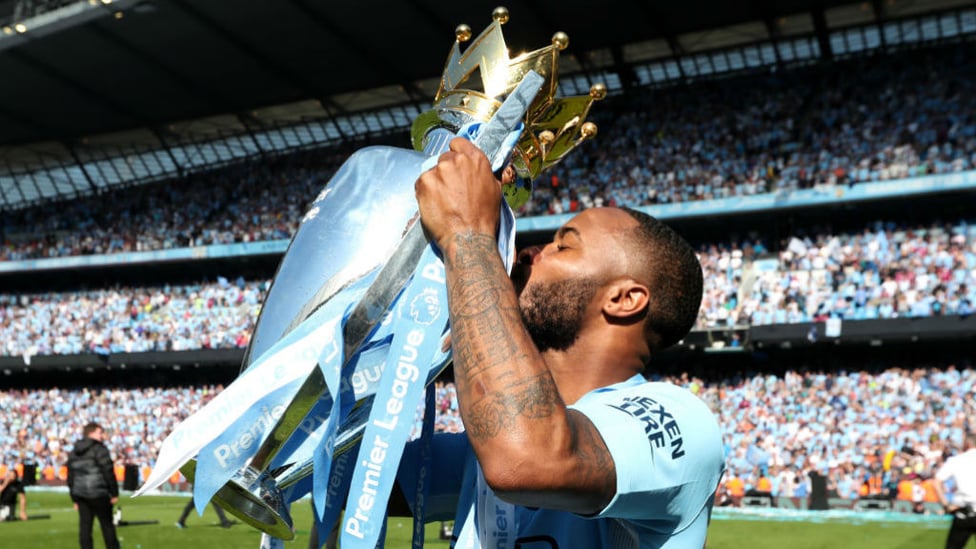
[61, 530]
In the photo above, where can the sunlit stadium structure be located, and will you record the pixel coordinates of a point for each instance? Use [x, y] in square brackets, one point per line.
[156, 156]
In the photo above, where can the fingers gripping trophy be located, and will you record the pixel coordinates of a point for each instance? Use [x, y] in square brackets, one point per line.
[355, 323]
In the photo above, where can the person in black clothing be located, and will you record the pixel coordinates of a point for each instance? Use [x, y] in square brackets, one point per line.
[12, 490]
[189, 507]
[93, 487]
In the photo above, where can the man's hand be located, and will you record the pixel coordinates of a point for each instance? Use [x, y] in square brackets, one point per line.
[23, 515]
[459, 195]
[76, 506]
[114, 500]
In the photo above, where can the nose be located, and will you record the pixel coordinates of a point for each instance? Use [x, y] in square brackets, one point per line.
[528, 255]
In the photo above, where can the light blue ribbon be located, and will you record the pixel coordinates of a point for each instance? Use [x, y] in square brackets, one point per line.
[360, 377]
[340, 478]
[421, 315]
[222, 458]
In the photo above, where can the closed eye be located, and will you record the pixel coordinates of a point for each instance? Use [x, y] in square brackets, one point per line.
[563, 235]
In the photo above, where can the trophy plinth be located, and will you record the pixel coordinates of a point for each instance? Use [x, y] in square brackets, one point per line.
[253, 497]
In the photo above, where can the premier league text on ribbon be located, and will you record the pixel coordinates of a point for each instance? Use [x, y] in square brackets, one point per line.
[255, 434]
[375, 451]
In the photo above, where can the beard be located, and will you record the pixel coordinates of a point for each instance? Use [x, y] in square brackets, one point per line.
[553, 312]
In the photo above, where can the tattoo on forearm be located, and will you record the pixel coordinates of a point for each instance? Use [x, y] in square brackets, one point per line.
[482, 316]
[473, 251]
[534, 398]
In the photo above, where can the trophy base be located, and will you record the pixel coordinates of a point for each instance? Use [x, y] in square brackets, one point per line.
[258, 504]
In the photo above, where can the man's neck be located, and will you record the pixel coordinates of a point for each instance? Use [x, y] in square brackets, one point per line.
[577, 373]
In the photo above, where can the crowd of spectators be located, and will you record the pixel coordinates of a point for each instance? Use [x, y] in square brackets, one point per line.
[859, 120]
[881, 272]
[40, 426]
[851, 121]
[865, 431]
[255, 201]
[213, 315]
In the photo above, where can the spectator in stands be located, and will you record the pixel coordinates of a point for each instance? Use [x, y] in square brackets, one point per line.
[215, 315]
[93, 487]
[882, 272]
[137, 419]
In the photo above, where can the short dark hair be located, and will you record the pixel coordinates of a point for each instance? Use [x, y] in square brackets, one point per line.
[90, 428]
[674, 276]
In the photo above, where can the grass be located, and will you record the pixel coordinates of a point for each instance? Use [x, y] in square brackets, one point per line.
[61, 530]
[730, 534]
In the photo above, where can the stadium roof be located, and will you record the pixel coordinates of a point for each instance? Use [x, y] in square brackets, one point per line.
[167, 60]
[138, 73]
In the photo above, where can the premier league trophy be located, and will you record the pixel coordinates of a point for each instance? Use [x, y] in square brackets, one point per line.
[357, 312]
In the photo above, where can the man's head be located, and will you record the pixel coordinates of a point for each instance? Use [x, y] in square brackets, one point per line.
[674, 275]
[94, 430]
[618, 264]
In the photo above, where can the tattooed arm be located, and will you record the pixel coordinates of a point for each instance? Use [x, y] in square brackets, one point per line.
[532, 449]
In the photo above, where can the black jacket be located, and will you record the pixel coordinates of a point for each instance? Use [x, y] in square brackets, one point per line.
[90, 472]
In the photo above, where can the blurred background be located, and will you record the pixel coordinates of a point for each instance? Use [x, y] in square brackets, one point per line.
[156, 156]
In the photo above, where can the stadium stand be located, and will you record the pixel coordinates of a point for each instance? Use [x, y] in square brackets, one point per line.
[871, 434]
[824, 340]
[166, 318]
[244, 203]
[745, 136]
[854, 121]
[882, 272]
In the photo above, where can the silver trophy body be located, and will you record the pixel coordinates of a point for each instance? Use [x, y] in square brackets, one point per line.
[350, 232]
[364, 222]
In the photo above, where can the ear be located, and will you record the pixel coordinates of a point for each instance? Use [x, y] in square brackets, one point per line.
[625, 298]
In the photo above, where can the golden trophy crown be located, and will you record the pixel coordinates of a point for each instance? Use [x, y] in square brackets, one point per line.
[553, 127]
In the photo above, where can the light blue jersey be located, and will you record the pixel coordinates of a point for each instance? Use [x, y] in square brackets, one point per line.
[669, 458]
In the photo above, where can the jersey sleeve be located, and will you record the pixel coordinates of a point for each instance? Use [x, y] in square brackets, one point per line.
[666, 448]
